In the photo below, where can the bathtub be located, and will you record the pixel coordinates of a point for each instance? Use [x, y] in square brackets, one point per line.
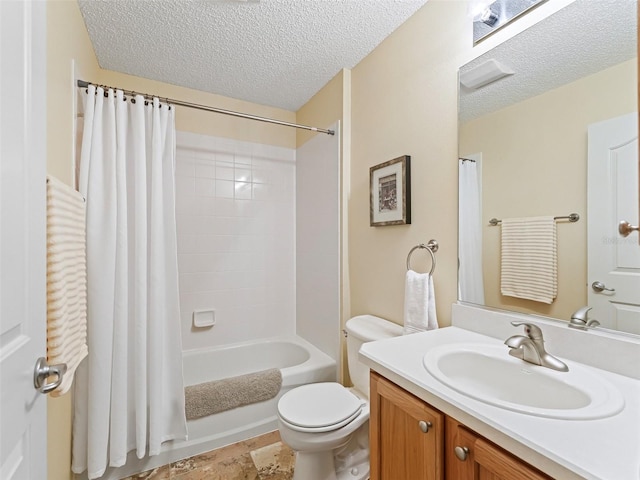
[299, 361]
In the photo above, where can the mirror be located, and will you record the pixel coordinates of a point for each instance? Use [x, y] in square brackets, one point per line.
[526, 135]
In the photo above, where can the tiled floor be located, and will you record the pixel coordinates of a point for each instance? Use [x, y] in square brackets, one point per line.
[259, 458]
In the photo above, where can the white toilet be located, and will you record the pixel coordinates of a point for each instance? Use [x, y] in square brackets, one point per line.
[326, 424]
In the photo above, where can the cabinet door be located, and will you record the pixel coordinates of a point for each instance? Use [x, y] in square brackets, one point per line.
[407, 436]
[479, 459]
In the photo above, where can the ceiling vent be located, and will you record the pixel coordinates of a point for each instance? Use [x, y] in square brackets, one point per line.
[484, 74]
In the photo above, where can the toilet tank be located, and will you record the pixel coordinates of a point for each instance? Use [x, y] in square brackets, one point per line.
[362, 329]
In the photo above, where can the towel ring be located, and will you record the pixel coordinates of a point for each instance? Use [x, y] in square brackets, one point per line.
[431, 247]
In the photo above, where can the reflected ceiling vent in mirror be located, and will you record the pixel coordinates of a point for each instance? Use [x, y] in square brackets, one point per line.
[484, 74]
[491, 15]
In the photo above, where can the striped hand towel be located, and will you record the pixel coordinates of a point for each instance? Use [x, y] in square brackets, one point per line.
[66, 280]
[529, 259]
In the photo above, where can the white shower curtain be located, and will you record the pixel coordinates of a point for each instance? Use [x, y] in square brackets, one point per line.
[470, 281]
[129, 391]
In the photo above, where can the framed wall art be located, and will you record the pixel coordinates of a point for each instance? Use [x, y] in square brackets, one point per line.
[390, 192]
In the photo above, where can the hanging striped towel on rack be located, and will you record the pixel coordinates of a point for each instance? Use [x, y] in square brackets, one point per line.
[66, 280]
[529, 259]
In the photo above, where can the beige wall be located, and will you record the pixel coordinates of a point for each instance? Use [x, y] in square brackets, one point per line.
[404, 102]
[535, 163]
[68, 43]
[323, 109]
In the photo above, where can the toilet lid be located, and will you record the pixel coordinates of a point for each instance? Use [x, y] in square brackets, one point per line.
[319, 407]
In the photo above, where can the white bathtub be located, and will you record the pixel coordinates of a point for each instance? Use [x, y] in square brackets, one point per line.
[300, 363]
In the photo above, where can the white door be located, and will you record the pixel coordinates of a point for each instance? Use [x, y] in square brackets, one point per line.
[23, 427]
[614, 261]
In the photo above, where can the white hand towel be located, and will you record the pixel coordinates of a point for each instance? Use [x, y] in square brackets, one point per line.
[529, 259]
[419, 303]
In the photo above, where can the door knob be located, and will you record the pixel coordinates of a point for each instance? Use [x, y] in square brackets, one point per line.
[600, 287]
[625, 228]
[42, 371]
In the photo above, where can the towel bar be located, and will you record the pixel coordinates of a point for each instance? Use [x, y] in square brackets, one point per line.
[431, 247]
[574, 217]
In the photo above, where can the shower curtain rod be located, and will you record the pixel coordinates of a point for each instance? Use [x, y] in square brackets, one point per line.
[84, 84]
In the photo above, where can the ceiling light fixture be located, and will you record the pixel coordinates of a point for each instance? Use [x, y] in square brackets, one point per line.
[478, 7]
[484, 74]
[489, 17]
[480, 11]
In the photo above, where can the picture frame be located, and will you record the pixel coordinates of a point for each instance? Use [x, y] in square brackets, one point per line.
[390, 192]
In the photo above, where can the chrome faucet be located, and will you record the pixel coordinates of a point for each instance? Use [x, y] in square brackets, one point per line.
[531, 348]
[579, 319]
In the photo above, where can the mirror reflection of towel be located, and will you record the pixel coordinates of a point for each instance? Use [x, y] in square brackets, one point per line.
[529, 259]
[419, 303]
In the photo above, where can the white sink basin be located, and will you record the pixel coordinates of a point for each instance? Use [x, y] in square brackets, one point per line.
[489, 374]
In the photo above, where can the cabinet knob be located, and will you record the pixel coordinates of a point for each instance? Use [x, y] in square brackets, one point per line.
[461, 452]
[424, 426]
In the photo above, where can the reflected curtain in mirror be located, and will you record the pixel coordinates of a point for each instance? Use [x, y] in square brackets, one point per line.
[471, 283]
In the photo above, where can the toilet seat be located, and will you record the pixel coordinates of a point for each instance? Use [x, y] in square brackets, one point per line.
[319, 407]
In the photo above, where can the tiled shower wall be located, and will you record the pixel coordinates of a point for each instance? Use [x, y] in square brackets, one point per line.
[235, 214]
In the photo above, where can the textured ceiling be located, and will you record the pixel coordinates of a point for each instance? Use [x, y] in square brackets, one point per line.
[271, 52]
[581, 39]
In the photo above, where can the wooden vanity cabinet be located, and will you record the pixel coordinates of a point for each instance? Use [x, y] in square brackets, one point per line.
[410, 440]
[406, 434]
[471, 457]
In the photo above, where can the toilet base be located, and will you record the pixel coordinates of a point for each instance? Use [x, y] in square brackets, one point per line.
[356, 472]
[352, 460]
[321, 466]
[349, 461]
[316, 465]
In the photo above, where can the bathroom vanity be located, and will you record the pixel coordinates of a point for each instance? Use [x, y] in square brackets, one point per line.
[424, 428]
[415, 441]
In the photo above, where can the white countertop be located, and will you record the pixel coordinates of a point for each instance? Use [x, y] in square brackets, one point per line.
[603, 449]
